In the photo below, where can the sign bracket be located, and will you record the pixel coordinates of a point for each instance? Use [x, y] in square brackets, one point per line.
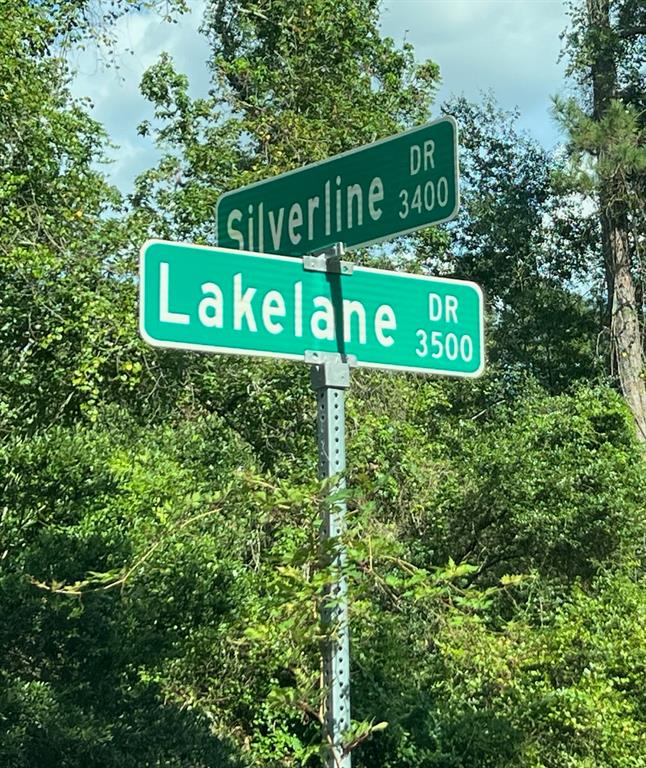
[328, 260]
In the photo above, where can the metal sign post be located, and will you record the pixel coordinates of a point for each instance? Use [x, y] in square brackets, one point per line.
[329, 381]
[330, 377]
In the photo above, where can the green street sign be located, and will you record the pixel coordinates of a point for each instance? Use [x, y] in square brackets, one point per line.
[218, 300]
[377, 191]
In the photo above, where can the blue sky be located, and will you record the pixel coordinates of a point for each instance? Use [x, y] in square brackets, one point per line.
[509, 47]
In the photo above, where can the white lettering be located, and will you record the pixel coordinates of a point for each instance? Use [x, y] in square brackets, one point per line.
[295, 220]
[261, 228]
[385, 320]
[354, 308]
[324, 314]
[422, 337]
[165, 315]
[434, 307]
[451, 305]
[442, 308]
[429, 149]
[451, 348]
[415, 159]
[242, 305]
[375, 195]
[276, 227]
[466, 348]
[354, 193]
[312, 205]
[213, 303]
[298, 309]
[250, 229]
[436, 344]
[273, 305]
[442, 191]
[235, 234]
[327, 209]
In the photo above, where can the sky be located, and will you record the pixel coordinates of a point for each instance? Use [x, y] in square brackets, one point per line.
[508, 47]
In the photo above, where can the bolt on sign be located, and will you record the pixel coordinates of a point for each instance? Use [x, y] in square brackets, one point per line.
[388, 188]
[219, 300]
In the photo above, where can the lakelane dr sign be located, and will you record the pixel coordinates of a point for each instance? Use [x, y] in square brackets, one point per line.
[218, 300]
[387, 188]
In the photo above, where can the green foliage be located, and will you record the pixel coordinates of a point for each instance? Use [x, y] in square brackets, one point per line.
[161, 573]
[88, 514]
[520, 234]
[310, 78]
[291, 84]
[54, 230]
[547, 484]
[565, 692]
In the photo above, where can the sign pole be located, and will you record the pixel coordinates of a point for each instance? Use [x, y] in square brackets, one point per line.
[329, 379]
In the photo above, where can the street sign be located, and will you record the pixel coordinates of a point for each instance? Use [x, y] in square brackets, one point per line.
[234, 302]
[380, 190]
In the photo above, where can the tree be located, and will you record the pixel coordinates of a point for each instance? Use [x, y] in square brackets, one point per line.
[67, 331]
[291, 84]
[520, 235]
[159, 555]
[606, 44]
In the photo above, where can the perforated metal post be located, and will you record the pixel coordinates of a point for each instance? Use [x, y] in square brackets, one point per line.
[330, 377]
[330, 380]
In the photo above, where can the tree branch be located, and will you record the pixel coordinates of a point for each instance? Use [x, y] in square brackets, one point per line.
[640, 29]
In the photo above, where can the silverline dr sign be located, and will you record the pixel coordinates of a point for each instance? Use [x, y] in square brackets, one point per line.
[380, 190]
[219, 300]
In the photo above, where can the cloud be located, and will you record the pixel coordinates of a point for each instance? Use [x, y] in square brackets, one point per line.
[118, 104]
[509, 47]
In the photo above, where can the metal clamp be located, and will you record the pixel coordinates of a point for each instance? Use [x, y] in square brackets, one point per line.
[329, 369]
[328, 260]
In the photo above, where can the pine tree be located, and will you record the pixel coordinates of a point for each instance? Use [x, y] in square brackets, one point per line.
[606, 45]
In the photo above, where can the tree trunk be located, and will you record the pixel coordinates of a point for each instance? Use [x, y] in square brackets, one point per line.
[625, 330]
